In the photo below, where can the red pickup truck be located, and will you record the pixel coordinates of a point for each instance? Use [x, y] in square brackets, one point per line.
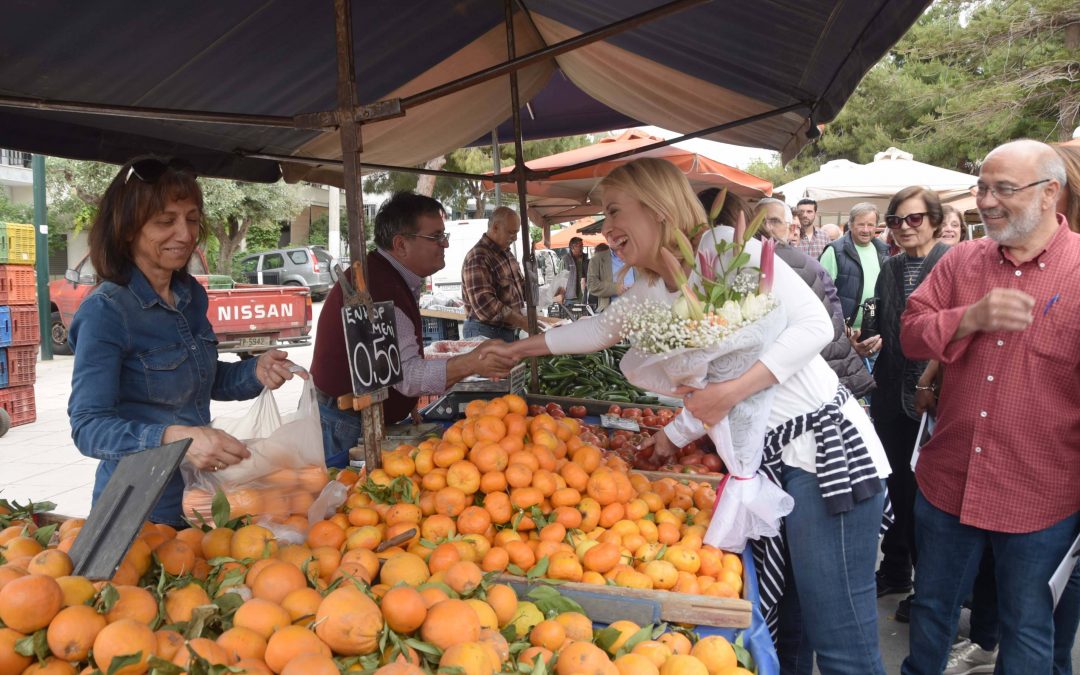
[247, 319]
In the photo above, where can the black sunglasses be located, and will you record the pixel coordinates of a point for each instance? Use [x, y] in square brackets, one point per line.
[150, 169]
[912, 219]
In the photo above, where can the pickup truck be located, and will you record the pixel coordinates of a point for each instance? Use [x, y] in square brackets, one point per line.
[247, 319]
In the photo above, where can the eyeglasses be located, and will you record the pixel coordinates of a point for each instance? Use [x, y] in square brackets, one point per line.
[150, 169]
[441, 238]
[1005, 191]
[912, 219]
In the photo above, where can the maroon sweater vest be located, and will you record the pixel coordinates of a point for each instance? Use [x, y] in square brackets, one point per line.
[329, 365]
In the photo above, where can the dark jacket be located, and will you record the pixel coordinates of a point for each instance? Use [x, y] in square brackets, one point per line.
[895, 374]
[849, 272]
[839, 353]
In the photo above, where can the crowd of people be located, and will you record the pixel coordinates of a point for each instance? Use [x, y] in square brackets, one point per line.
[981, 335]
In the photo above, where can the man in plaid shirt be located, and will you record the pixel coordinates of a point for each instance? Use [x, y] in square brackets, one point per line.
[811, 240]
[491, 281]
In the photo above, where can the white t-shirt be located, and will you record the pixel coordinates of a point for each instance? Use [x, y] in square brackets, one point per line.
[805, 381]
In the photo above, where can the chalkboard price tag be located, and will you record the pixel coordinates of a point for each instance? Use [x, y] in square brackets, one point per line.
[615, 422]
[374, 356]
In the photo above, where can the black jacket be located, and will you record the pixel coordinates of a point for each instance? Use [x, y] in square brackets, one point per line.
[896, 376]
[839, 353]
[849, 272]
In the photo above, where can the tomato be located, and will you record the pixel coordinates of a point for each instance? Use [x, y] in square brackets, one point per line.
[648, 412]
[578, 411]
[535, 410]
[631, 413]
[557, 413]
[650, 420]
[713, 462]
[614, 410]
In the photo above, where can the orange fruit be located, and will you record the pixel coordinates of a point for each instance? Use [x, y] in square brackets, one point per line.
[30, 602]
[679, 643]
[463, 577]
[348, 621]
[406, 568]
[325, 533]
[121, 638]
[626, 631]
[168, 643]
[656, 652]
[473, 520]
[10, 660]
[72, 631]
[301, 604]
[549, 634]
[205, 648]
[311, 664]
[404, 609]
[76, 590]
[635, 664]
[134, 603]
[262, 616]
[181, 602]
[683, 665]
[217, 543]
[716, 653]
[450, 622]
[277, 580]
[584, 658]
[469, 658]
[51, 563]
[251, 541]
[289, 642]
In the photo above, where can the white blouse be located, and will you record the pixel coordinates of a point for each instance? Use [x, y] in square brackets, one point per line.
[806, 382]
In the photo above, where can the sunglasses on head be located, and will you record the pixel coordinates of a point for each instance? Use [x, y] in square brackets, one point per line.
[151, 169]
[912, 219]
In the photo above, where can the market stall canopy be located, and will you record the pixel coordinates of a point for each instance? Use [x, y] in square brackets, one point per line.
[700, 65]
[841, 184]
[561, 238]
[567, 195]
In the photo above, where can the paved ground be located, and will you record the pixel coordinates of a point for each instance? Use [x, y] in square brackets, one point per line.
[39, 461]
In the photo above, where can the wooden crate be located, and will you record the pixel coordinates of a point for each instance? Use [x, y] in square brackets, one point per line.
[605, 604]
[713, 479]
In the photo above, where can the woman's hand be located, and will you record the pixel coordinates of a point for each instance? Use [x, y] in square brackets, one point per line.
[866, 348]
[211, 449]
[664, 451]
[714, 402]
[274, 368]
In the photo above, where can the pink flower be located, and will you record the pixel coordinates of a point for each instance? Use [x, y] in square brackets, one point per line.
[768, 252]
[707, 265]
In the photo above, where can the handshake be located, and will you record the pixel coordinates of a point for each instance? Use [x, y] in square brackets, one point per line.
[493, 359]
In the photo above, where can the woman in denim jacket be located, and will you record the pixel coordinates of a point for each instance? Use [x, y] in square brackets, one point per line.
[146, 361]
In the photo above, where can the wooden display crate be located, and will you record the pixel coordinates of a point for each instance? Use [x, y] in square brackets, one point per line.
[605, 604]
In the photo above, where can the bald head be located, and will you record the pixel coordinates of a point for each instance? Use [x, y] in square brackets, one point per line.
[1018, 187]
[503, 226]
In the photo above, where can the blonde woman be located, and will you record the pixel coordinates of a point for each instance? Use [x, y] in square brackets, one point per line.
[829, 607]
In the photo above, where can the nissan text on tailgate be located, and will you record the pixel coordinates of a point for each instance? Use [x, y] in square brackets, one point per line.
[247, 320]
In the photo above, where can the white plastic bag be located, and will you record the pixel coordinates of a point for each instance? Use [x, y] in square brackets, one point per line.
[548, 292]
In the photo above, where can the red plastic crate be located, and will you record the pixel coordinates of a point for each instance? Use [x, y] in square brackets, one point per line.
[18, 285]
[19, 404]
[24, 325]
[20, 364]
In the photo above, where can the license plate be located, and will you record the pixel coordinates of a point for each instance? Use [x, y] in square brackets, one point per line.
[263, 341]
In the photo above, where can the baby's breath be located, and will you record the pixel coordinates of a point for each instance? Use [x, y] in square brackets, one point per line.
[654, 327]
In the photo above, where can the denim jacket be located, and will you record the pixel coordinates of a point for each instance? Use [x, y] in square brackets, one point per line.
[140, 366]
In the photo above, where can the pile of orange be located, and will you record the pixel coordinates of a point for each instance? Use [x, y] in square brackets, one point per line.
[500, 491]
[278, 494]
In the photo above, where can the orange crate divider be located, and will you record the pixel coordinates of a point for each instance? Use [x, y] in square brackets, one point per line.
[19, 404]
[21, 365]
[18, 285]
[24, 325]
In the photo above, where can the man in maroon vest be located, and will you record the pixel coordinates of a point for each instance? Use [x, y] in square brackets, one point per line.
[411, 240]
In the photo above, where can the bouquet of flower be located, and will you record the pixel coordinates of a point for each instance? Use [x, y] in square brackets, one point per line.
[724, 318]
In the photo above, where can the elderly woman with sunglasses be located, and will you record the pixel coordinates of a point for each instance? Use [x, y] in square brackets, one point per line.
[915, 217]
[145, 355]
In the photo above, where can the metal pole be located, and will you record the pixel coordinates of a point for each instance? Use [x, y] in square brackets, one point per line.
[41, 244]
[528, 257]
[495, 166]
[371, 414]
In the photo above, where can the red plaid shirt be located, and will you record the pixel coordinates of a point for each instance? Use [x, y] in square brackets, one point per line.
[491, 282]
[1005, 455]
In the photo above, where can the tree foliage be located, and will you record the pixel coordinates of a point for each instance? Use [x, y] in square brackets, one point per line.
[968, 76]
[234, 211]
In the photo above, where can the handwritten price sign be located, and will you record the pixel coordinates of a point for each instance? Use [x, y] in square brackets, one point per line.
[374, 357]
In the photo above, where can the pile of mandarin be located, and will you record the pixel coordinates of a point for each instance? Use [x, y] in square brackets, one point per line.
[400, 580]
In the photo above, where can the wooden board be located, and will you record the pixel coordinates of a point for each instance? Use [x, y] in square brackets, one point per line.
[605, 604]
[592, 406]
[712, 479]
[440, 314]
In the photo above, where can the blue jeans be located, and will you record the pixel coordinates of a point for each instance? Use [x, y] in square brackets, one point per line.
[474, 328]
[340, 431]
[949, 557]
[830, 603]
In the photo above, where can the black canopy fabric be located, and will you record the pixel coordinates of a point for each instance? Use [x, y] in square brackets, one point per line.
[701, 67]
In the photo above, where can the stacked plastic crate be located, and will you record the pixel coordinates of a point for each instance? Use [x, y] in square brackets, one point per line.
[20, 333]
